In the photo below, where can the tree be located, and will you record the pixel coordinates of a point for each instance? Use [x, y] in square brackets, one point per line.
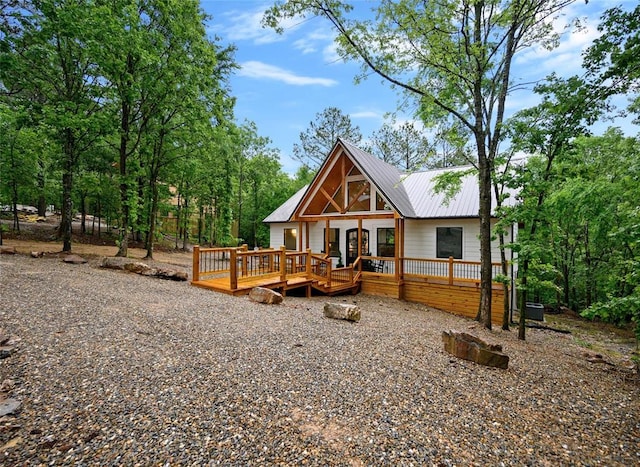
[403, 145]
[48, 69]
[322, 134]
[613, 60]
[567, 110]
[452, 56]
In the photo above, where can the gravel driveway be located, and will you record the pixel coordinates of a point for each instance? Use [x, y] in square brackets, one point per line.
[120, 369]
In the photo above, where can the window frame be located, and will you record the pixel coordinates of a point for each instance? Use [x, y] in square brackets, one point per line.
[450, 234]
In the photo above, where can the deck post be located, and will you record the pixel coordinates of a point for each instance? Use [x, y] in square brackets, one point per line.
[195, 264]
[329, 273]
[450, 270]
[308, 265]
[283, 263]
[233, 269]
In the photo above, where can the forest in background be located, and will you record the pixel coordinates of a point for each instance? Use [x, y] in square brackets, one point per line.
[122, 110]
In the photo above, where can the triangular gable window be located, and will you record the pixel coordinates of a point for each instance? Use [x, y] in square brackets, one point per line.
[338, 198]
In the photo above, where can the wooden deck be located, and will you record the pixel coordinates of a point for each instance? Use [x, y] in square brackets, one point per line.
[449, 285]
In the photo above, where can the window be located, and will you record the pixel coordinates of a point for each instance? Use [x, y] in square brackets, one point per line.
[290, 239]
[449, 242]
[362, 190]
[334, 241]
[381, 204]
[338, 198]
[386, 242]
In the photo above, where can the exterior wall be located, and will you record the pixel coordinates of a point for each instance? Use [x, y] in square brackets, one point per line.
[276, 233]
[316, 233]
[420, 238]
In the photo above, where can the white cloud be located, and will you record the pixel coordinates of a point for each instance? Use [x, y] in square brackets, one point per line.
[366, 114]
[260, 70]
[243, 25]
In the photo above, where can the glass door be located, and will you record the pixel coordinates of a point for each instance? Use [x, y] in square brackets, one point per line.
[352, 245]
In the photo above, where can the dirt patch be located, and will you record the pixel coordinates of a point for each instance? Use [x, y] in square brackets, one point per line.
[41, 237]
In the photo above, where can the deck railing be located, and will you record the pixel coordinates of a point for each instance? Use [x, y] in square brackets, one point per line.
[242, 264]
[449, 269]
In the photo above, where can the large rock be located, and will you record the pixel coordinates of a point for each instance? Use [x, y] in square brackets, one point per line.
[138, 268]
[7, 250]
[144, 269]
[264, 295]
[342, 311]
[74, 259]
[474, 349]
[169, 274]
[113, 262]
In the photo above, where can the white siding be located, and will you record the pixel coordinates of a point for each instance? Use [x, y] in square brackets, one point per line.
[276, 233]
[420, 238]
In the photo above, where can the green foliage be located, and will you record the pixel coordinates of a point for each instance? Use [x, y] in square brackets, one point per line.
[322, 134]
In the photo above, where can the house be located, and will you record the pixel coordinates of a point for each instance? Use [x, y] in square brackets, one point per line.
[405, 240]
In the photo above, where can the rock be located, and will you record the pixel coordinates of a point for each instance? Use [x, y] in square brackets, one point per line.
[342, 311]
[474, 349]
[6, 351]
[112, 263]
[37, 254]
[143, 269]
[169, 274]
[7, 385]
[264, 295]
[4, 337]
[138, 268]
[7, 250]
[74, 259]
[8, 406]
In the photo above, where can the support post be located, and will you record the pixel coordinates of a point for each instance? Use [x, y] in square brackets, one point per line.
[450, 270]
[195, 266]
[233, 269]
[308, 264]
[283, 263]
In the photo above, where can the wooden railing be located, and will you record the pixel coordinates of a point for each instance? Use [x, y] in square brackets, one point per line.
[242, 264]
[449, 269]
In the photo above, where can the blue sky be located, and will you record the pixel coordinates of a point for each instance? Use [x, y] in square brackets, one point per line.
[285, 80]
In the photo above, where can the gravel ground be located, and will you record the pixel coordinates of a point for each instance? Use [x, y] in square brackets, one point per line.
[120, 369]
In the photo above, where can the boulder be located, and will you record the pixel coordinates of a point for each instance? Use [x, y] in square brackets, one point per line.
[138, 268]
[37, 254]
[144, 269]
[342, 311]
[264, 295]
[474, 349]
[7, 250]
[169, 274]
[111, 262]
[74, 259]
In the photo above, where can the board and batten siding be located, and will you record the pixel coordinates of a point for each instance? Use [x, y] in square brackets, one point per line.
[420, 238]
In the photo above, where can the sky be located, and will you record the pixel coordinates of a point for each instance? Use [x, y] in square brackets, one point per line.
[285, 81]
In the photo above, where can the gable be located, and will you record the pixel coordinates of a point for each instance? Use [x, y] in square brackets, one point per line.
[342, 186]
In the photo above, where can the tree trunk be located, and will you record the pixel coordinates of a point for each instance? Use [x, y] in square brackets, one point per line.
[523, 301]
[65, 230]
[153, 215]
[484, 176]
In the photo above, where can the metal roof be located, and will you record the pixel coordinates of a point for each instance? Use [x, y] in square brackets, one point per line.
[411, 195]
[386, 177]
[284, 212]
